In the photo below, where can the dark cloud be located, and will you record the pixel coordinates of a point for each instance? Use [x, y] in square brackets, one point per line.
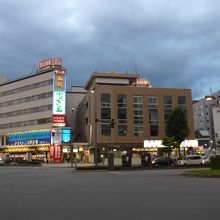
[171, 43]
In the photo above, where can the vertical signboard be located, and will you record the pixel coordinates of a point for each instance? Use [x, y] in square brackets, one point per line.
[56, 153]
[59, 97]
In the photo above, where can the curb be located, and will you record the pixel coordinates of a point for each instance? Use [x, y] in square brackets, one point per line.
[201, 175]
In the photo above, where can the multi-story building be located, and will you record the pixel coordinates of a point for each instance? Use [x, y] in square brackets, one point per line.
[30, 108]
[121, 111]
[206, 116]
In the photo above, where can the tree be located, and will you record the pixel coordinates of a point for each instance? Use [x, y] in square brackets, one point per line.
[177, 126]
[170, 143]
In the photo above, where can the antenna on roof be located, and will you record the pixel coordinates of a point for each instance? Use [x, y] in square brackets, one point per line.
[135, 69]
[210, 90]
[126, 69]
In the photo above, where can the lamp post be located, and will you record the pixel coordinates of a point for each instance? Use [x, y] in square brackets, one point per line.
[96, 127]
[71, 144]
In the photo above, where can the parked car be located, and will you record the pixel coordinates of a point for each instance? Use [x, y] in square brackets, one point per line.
[190, 160]
[1, 162]
[163, 161]
[206, 159]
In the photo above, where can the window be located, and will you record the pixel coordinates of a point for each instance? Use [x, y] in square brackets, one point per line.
[105, 114]
[122, 115]
[167, 105]
[27, 87]
[26, 123]
[26, 111]
[153, 115]
[26, 99]
[182, 102]
[138, 116]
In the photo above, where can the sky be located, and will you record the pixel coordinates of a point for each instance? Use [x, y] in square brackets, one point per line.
[172, 43]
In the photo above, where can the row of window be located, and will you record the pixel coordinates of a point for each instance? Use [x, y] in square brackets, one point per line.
[26, 99]
[26, 123]
[26, 111]
[106, 122]
[27, 87]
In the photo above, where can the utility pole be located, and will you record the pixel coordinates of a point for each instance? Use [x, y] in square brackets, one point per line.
[95, 143]
[71, 146]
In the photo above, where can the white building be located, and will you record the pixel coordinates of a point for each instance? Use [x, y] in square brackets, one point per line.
[206, 116]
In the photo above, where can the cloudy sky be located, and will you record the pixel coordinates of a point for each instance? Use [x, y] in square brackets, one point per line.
[173, 43]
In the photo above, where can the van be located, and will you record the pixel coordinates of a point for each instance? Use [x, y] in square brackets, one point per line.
[190, 160]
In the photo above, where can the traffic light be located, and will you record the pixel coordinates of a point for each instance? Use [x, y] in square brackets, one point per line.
[112, 123]
[52, 132]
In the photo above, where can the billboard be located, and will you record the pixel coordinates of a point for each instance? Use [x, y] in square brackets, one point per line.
[59, 97]
[48, 64]
[158, 143]
[66, 135]
[29, 138]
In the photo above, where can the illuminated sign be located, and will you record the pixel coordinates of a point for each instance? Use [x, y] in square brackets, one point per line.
[59, 97]
[57, 136]
[59, 102]
[158, 143]
[59, 119]
[30, 138]
[56, 153]
[49, 64]
[142, 82]
[66, 135]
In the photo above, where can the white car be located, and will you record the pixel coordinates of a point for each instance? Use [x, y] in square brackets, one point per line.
[190, 160]
[2, 162]
[206, 159]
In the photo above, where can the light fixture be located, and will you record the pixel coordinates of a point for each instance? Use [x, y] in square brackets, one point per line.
[209, 97]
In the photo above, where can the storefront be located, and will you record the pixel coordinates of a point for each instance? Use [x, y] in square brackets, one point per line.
[28, 145]
[186, 147]
[80, 150]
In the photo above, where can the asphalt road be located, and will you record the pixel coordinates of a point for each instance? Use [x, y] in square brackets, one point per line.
[60, 193]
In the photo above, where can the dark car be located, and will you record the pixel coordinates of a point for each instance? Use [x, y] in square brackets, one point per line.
[161, 161]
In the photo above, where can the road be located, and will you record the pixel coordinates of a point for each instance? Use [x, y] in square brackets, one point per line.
[60, 193]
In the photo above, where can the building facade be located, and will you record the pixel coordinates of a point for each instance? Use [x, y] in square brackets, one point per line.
[31, 108]
[206, 116]
[121, 111]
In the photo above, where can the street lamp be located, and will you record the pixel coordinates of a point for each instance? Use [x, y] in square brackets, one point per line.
[71, 143]
[96, 127]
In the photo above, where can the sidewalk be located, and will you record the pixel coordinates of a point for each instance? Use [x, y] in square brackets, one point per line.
[117, 161]
[66, 165]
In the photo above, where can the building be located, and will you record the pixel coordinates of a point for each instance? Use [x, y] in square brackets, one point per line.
[33, 113]
[121, 111]
[206, 117]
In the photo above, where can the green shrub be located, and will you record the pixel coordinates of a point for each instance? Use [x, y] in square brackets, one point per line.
[215, 162]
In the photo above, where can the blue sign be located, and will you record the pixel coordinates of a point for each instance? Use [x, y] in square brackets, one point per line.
[30, 138]
[66, 135]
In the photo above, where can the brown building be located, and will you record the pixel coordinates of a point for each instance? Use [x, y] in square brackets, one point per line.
[121, 111]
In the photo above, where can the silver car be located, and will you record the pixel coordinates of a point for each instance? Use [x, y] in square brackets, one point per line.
[190, 160]
[2, 162]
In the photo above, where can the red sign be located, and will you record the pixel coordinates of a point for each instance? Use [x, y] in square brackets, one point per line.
[48, 64]
[58, 119]
[56, 153]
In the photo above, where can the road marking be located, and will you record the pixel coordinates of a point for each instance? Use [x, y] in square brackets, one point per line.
[117, 173]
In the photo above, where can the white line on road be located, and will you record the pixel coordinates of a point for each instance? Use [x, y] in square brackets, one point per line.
[117, 173]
